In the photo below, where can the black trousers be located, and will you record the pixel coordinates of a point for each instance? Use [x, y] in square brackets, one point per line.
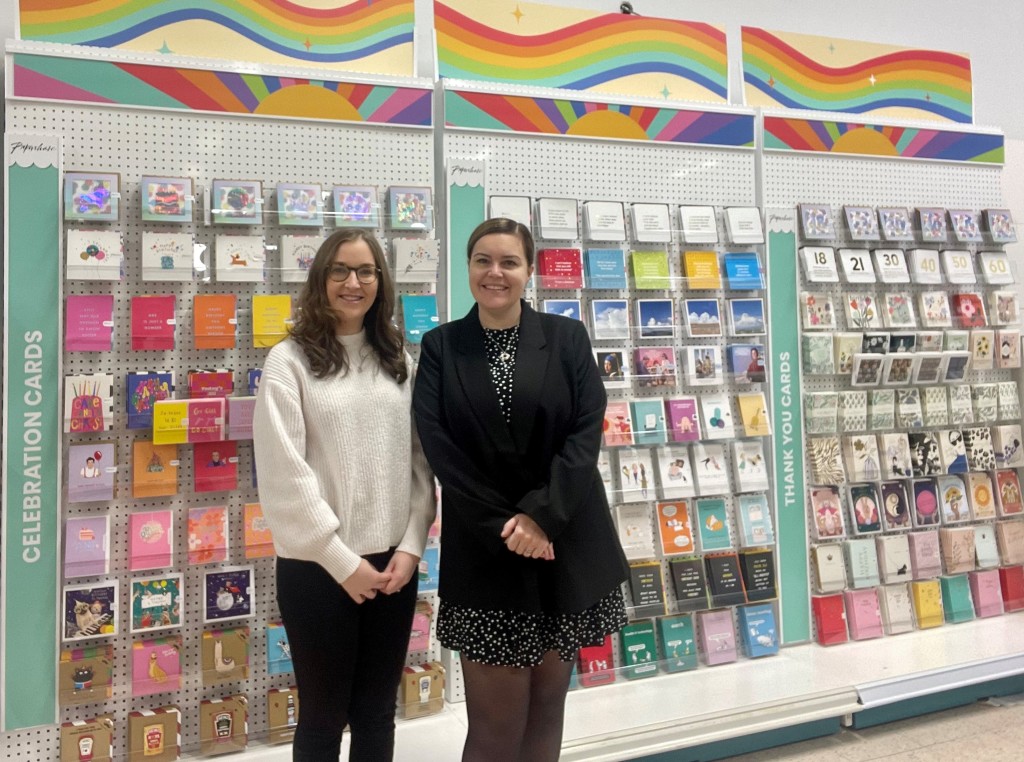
[348, 660]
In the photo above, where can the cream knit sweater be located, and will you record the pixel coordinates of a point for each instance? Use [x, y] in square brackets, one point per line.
[340, 469]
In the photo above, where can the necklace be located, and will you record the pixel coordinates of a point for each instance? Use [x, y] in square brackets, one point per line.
[505, 355]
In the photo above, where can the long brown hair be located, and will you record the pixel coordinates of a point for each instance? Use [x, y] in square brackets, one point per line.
[315, 325]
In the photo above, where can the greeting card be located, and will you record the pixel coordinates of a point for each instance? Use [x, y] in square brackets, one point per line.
[633, 523]
[416, 259]
[150, 540]
[862, 311]
[896, 224]
[208, 534]
[651, 223]
[85, 675]
[716, 416]
[240, 413]
[355, 207]
[745, 362]
[215, 466]
[157, 602]
[92, 196]
[650, 270]
[895, 507]
[91, 471]
[968, 310]
[279, 652]
[636, 475]
[675, 474]
[154, 469]
[743, 224]
[142, 390]
[817, 312]
[711, 469]
[604, 221]
[166, 199]
[224, 655]
[90, 611]
[86, 546]
[703, 365]
[568, 308]
[168, 256]
[703, 317]
[156, 666]
[610, 318]
[754, 414]
[749, 465]
[746, 317]
[698, 224]
[271, 318]
[674, 527]
[240, 258]
[862, 223]
[89, 323]
[237, 202]
[618, 424]
[410, 208]
[713, 524]
[228, 594]
[258, 542]
[701, 270]
[94, 255]
[656, 366]
[88, 403]
[299, 204]
[655, 318]
[605, 268]
[1000, 226]
[816, 222]
[297, 255]
[613, 365]
[965, 225]
[743, 271]
[932, 221]
[152, 322]
[827, 513]
[214, 321]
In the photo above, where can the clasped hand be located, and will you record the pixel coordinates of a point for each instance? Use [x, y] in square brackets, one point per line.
[524, 537]
[365, 582]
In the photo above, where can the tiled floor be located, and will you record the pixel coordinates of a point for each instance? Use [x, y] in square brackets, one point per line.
[988, 731]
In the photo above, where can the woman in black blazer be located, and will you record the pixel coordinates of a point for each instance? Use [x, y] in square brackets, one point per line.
[509, 406]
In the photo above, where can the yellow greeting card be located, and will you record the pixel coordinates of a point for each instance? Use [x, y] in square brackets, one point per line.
[271, 317]
[170, 422]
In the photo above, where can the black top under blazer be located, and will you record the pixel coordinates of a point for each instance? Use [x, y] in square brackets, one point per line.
[543, 464]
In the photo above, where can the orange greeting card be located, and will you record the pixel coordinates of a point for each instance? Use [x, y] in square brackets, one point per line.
[213, 321]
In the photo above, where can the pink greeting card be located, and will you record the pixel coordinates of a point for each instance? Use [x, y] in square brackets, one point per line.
[240, 410]
[208, 534]
[215, 466]
[89, 323]
[156, 666]
[150, 540]
[206, 420]
[153, 322]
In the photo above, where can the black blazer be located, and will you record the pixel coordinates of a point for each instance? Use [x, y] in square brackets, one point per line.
[543, 464]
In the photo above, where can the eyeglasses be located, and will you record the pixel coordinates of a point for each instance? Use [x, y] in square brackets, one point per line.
[365, 274]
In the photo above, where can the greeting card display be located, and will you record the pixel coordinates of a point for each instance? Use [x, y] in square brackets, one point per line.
[416, 259]
[656, 366]
[650, 223]
[675, 474]
[279, 652]
[746, 317]
[655, 318]
[650, 270]
[816, 222]
[150, 540]
[92, 196]
[819, 264]
[516, 208]
[895, 506]
[297, 255]
[703, 317]
[94, 255]
[157, 603]
[85, 675]
[355, 207]
[743, 224]
[168, 256]
[604, 221]
[89, 323]
[862, 223]
[90, 611]
[256, 532]
[214, 323]
[215, 466]
[633, 523]
[88, 403]
[701, 270]
[240, 258]
[827, 513]
[299, 204]
[817, 312]
[703, 365]
[674, 527]
[605, 268]
[225, 655]
[896, 224]
[710, 469]
[166, 199]
[746, 363]
[91, 471]
[618, 424]
[999, 223]
[237, 202]
[558, 218]
[410, 208]
[698, 224]
[154, 469]
[636, 474]
[228, 594]
[272, 317]
[864, 508]
[86, 546]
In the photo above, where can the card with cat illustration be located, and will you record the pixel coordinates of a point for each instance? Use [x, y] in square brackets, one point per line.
[90, 611]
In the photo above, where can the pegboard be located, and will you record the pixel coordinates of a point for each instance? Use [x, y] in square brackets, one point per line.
[134, 143]
[585, 169]
[791, 178]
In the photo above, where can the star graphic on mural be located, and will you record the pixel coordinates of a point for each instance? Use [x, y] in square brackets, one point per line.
[164, 49]
[307, 44]
[771, 81]
[872, 80]
[927, 96]
[831, 48]
[665, 92]
[518, 13]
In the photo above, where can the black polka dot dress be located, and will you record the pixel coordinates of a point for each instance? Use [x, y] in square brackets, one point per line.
[515, 638]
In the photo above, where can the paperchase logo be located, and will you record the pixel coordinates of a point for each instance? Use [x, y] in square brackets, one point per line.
[468, 173]
[780, 218]
[33, 147]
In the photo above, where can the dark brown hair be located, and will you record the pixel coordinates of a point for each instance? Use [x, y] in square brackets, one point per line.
[315, 323]
[506, 226]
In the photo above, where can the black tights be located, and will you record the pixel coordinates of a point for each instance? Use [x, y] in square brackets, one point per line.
[515, 714]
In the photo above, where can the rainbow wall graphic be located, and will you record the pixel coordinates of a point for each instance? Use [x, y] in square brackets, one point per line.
[168, 87]
[823, 74]
[547, 46]
[555, 116]
[370, 36]
[817, 136]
